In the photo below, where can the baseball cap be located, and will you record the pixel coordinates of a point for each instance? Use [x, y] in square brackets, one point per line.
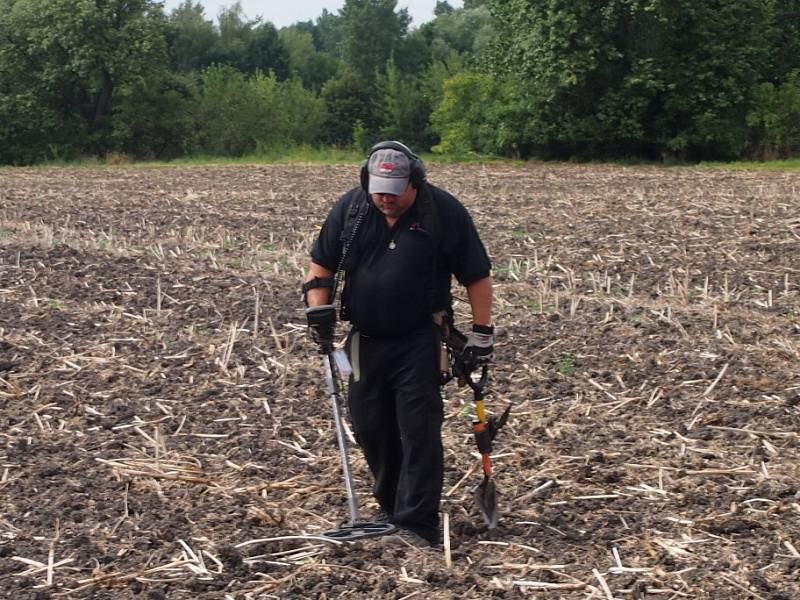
[389, 172]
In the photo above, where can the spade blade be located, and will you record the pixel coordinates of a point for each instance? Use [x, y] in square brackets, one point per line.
[486, 499]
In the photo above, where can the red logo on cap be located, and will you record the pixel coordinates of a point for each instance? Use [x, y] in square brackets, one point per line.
[387, 166]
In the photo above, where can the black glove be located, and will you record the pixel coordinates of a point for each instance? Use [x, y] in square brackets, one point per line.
[479, 348]
[321, 325]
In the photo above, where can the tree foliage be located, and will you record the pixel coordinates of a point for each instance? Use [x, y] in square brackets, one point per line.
[190, 37]
[775, 118]
[249, 45]
[349, 105]
[155, 117]
[652, 77]
[372, 32]
[241, 115]
[476, 114]
[658, 79]
[305, 62]
[61, 63]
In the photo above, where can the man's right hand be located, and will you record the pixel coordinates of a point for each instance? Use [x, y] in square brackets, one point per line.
[321, 326]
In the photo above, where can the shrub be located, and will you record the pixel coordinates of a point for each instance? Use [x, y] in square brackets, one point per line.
[775, 119]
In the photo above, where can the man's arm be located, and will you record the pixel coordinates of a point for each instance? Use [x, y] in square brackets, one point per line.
[480, 300]
[320, 311]
[480, 341]
[320, 295]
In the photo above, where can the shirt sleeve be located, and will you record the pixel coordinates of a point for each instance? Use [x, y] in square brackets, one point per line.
[327, 248]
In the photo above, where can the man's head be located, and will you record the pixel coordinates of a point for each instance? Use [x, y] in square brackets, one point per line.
[390, 167]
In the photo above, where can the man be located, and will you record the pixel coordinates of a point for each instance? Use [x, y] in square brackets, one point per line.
[409, 237]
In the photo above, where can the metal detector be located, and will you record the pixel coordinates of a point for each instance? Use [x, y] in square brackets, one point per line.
[356, 529]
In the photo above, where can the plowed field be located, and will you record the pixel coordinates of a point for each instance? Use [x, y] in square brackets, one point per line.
[165, 430]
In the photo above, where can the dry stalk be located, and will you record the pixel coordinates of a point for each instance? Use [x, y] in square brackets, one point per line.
[448, 557]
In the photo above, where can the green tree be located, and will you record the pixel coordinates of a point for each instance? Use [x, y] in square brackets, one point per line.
[476, 114]
[266, 52]
[302, 115]
[404, 108]
[227, 111]
[442, 8]
[313, 68]
[328, 33]
[61, 62]
[372, 32]
[154, 118]
[240, 115]
[775, 116]
[191, 38]
[466, 31]
[413, 54]
[785, 40]
[248, 44]
[619, 77]
[347, 103]
[775, 119]
[716, 55]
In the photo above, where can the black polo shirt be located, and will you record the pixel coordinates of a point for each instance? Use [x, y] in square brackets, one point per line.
[391, 288]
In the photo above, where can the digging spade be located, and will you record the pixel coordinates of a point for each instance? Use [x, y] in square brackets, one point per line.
[485, 431]
[335, 363]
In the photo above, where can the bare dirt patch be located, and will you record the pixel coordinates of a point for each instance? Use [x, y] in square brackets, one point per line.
[166, 434]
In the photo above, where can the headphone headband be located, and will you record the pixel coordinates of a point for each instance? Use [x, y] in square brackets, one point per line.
[393, 145]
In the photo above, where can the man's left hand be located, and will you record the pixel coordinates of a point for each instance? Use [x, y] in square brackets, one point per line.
[480, 346]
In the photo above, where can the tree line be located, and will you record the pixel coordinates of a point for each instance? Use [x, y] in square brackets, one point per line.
[585, 79]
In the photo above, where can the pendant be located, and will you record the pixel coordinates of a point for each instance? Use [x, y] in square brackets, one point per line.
[392, 245]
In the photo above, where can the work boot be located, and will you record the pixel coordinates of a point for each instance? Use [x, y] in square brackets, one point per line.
[381, 516]
[405, 537]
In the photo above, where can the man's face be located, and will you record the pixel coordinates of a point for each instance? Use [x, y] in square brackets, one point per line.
[394, 206]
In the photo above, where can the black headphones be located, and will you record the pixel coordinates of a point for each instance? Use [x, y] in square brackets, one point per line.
[417, 168]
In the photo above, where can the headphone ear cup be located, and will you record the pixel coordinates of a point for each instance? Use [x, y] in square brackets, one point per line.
[365, 176]
[417, 173]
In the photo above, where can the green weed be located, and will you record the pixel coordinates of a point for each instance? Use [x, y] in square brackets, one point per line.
[566, 364]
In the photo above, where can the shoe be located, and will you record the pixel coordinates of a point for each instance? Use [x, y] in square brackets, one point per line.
[405, 537]
[381, 516]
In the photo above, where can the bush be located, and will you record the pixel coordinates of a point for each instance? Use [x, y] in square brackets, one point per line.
[478, 113]
[155, 119]
[240, 115]
[775, 119]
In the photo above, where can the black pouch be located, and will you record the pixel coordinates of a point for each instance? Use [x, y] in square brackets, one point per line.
[451, 344]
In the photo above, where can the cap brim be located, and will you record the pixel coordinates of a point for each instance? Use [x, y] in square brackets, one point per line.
[387, 185]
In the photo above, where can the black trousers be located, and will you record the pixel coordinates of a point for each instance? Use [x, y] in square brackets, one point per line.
[397, 413]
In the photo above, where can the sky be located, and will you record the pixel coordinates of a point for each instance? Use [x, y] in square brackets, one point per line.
[285, 12]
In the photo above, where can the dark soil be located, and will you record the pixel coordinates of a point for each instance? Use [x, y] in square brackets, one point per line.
[157, 440]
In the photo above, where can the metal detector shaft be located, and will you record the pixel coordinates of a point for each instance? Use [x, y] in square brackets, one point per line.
[334, 390]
